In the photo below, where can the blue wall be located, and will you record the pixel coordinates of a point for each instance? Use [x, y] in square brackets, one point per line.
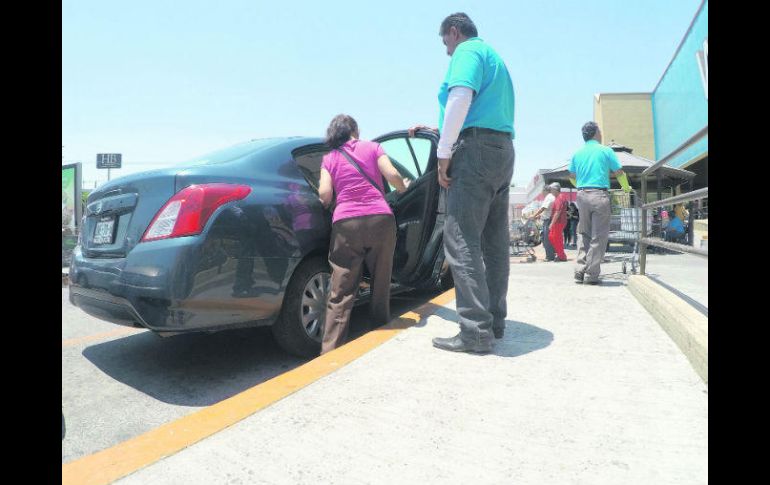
[679, 104]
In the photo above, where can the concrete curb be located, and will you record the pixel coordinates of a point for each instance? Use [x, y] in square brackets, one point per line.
[686, 326]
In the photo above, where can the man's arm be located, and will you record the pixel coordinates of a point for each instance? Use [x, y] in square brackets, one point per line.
[457, 106]
[537, 213]
[622, 180]
[416, 128]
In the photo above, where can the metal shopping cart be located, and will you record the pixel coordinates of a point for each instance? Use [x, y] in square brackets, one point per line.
[525, 235]
[626, 224]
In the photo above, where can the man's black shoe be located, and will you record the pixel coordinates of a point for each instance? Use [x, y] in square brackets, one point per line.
[579, 277]
[456, 344]
[499, 332]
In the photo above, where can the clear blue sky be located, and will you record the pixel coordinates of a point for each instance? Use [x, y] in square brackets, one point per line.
[164, 81]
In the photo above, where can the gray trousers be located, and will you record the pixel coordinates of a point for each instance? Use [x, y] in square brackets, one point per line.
[550, 252]
[593, 231]
[476, 233]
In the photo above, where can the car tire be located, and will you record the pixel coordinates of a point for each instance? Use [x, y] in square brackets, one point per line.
[290, 330]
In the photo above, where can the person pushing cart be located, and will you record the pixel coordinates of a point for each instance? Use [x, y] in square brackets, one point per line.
[590, 169]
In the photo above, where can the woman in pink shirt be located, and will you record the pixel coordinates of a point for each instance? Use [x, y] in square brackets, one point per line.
[363, 226]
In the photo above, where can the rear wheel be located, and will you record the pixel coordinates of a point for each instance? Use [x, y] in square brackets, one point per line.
[299, 329]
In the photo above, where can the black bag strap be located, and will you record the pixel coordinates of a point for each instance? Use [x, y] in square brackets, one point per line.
[352, 162]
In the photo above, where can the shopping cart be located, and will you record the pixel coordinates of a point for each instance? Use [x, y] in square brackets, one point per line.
[626, 224]
[525, 235]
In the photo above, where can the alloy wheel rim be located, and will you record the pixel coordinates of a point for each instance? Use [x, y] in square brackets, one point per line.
[314, 305]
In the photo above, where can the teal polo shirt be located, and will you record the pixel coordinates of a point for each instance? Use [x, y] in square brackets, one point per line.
[477, 66]
[592, 165]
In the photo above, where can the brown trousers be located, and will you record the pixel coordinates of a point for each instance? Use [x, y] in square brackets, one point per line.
[355, 241]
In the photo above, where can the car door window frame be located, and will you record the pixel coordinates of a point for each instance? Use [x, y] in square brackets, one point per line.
[429, 136]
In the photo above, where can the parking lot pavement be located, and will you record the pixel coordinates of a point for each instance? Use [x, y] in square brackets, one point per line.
[585, 388]
[121, 382]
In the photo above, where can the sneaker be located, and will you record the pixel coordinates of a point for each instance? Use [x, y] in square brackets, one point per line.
[579, 277]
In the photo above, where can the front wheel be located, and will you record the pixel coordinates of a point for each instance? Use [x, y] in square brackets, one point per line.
[299, 329]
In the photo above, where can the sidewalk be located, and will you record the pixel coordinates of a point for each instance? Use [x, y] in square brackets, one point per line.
[585, 388]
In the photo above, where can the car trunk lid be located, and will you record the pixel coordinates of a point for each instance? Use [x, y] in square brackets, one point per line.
[118, 213]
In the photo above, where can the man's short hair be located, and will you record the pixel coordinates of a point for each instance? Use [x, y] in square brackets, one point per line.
[589, 130]
[462, 22]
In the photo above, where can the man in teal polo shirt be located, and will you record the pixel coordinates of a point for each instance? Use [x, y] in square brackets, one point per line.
[590, 170]
[475, 166]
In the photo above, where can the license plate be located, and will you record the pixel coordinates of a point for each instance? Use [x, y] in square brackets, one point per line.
[105, 232]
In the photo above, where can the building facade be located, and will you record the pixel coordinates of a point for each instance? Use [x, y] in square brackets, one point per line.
[626, 119]
[656, 124]
[680, 101]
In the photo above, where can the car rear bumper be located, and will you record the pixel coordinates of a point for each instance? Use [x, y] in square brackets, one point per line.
[101, 304]
[163, 286]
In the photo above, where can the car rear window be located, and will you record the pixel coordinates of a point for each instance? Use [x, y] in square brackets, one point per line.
[232, 153]
[310, 165]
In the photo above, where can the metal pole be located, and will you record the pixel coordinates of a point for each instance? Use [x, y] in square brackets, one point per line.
[684, 248]
[642, 246]
[694, 195]
[108, 174]
[691, 218]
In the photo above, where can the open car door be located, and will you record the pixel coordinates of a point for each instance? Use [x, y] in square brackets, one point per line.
[419, 215]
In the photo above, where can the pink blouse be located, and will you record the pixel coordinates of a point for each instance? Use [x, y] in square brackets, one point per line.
[355, 195]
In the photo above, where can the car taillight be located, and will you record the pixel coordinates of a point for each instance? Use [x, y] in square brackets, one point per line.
[187, 212]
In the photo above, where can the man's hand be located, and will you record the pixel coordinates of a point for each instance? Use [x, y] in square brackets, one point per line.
[443, 166]
[415, 128]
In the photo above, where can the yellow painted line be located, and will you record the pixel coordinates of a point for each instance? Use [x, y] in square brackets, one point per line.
[100, 336]
[116, 462]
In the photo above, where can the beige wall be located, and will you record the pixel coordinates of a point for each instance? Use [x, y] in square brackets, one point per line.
[626, 118]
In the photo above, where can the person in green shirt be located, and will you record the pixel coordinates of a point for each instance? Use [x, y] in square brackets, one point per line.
[590, 170]
[475, 165]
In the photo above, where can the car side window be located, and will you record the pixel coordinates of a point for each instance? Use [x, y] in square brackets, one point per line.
[309, 163]
[421, 148]
[409, 156]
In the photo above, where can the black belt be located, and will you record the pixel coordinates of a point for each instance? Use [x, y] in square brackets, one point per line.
[592, 188]
[475, 130]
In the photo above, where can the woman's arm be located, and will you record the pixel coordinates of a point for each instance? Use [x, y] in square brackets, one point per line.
[325, 188]
[390, 173]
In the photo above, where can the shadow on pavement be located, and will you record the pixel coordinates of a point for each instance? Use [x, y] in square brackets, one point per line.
[200, 369]
[196, 369]
[520, 338]
[608, 281]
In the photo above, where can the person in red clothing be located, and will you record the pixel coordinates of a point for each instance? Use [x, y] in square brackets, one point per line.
[558, 221]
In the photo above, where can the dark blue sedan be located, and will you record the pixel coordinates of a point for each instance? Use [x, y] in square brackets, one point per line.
[239, 238]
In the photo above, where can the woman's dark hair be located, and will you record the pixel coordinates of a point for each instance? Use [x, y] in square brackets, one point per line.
[341, 128]
[589, 130]
[462, 22]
